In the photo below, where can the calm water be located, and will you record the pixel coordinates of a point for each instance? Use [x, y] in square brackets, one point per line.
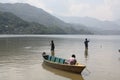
[20, 57]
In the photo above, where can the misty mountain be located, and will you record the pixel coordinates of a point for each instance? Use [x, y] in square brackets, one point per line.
[11, 24]
[95, 25]
[92, 23]
[117, 22]
[32, 14]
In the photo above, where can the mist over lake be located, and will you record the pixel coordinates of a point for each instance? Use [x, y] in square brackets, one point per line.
[20, 57]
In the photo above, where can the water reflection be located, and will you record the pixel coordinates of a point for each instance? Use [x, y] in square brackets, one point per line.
[119, 59]
[72, 76]
[86, 54]
[20, 57]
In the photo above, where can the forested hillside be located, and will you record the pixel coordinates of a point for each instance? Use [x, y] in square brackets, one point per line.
[11, 24]
[20, 18]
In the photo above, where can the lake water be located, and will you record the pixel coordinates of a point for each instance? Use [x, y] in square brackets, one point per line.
[20, 57]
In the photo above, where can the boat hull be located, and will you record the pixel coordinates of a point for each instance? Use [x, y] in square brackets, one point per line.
[78, 68]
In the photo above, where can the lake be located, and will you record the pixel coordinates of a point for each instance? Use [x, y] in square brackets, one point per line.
[20, 57]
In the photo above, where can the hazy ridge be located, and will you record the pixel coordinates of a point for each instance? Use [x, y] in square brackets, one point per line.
[32, 14]
[53, 25]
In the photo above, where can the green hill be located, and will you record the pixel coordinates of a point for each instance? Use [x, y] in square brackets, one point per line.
[11, 24]
[49, 23]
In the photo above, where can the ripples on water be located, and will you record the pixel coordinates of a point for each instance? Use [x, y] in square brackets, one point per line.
[20, 57]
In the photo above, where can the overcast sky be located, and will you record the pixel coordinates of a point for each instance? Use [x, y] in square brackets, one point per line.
[100, 9]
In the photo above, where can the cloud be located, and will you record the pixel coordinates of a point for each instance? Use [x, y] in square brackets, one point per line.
[97, 9]
[102, 12]
[115, 8]
[81, 9]
[38, 3]
[100, 9]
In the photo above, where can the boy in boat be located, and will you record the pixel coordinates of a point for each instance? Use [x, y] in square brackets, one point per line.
[44, 55]
[71, 60]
